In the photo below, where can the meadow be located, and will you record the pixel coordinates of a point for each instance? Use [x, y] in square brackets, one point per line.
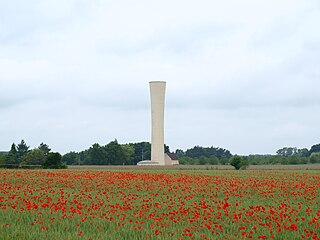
[159, 204]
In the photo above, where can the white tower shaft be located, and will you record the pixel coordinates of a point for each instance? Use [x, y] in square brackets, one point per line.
[157, 92]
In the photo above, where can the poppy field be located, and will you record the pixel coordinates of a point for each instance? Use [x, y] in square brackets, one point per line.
[159, 204]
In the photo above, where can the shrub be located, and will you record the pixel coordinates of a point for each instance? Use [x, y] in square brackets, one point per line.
[9, 166]
[235, 162]
[315, 158]
[239, 162]
[53, 161]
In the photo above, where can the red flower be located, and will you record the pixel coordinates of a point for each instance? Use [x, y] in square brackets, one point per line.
[294, 227]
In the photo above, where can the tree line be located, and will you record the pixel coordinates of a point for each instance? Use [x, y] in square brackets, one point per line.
[210, 155]
[203, 155]
[288, 155]
[114, 153]
[131, 153]
[21, 155]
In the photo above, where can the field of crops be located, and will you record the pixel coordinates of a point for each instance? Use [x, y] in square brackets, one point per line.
[159, 204]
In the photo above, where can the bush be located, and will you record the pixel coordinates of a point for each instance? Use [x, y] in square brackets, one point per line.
[293, 160]
[53, 161]
[9, 166]
[30, 166]
[239, 162]
[223, 160]
[244, 163]
[315, 158]
[235, 162]
[19, 166]
[2, 159]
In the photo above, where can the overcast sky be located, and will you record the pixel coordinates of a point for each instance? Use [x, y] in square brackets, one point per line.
[241, 75]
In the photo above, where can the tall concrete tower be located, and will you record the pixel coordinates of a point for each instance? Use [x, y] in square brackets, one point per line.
[157, 93]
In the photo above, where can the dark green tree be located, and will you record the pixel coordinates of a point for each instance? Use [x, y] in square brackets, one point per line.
[12, 157]
[314, 149]
[85, 157]
[284, 160]
[179, 153]
[303, 160]
[97, 155]
[304, 152]
[213, 160]
[45, 148]
[195, 152]
[235, 162]
[166, 149]
[71, 158]
[128, 151]
[239, 162]
[22, 149]
[53, 161]
[315, 157]
[198, 151]
[223, 160]
[2, 159]
[293, 160]
[244, 162]
[293, 151]
[115, 154]
[286, 151]
[186, 160]
[203, 160]
[33, 157]
[13, 149]
[142, 151]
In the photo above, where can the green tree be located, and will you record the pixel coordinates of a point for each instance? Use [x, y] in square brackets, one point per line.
[22, 149]
[235, 161]
[128, 151]
[213, 160]
[34, 157]
[314, 149]
[166, 148]
[239, 162]
[142, 151]
[276, 159]
[203, 160]
[284, 161]
[315, 157]
[198, 151]
[304, 152]
[304, 160]
[71, 158]
[115, 154]
[2, 159]
[53, 161]
[45, 148]
[12, 157]
[286, 151]
[293, 151]
[179, 153]
[186, 160]
[244, 162]
[85, 157]
[293, 160]
[97, 155]
[13, 149]
[224, 160]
